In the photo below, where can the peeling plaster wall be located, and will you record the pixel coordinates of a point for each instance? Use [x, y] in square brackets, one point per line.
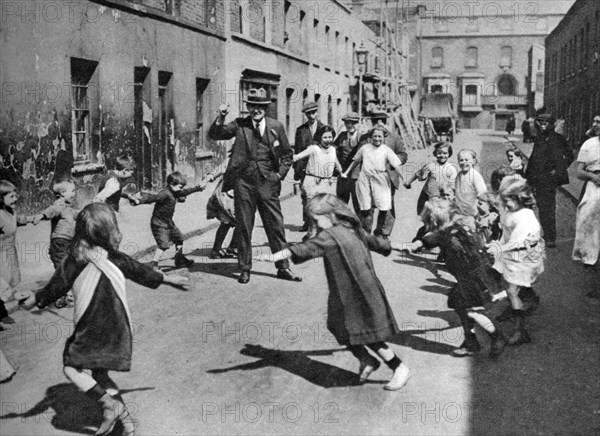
[35, 115]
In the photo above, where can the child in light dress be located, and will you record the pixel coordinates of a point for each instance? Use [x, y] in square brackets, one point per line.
[469, 185]
[320, 170]
[520, 253]
[373, 187]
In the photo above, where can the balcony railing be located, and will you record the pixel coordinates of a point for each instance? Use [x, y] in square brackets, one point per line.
[505, 99]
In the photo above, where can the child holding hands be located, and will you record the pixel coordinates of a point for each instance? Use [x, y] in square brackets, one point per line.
[359, 315]
[102, 338]
[520, 253]
[435, 174]
[220, 205]
[466, 260]
[164, 230]
[321, 167]
[9, 221]
[373, 187]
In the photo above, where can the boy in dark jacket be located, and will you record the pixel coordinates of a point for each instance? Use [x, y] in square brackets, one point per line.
[164, 230]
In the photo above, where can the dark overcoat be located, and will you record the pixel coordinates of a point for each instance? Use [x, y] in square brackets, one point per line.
[358, 312]
[102, 338]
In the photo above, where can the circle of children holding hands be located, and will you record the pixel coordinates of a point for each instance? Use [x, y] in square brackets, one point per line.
[491, 243]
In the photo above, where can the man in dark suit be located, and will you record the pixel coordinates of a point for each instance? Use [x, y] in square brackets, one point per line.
[261, 156]
[305, 134]
[386, 220]
[347, 144]
[546, 171]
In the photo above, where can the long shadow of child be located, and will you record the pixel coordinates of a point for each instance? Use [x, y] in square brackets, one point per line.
[297, 363]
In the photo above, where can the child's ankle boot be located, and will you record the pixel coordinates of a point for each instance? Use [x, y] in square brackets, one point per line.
[520, 336]
[498, 344]
[469, 347]
[181, 261]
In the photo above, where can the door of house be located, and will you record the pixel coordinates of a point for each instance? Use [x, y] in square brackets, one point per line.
[142, 124]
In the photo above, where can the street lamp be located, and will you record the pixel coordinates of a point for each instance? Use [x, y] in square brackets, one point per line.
[361, 59]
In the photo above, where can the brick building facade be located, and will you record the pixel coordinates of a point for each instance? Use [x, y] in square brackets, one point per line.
[479, 54]
[104, 78]
[572, 89]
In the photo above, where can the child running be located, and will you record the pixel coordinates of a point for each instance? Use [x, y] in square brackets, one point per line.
[520, 253]
[465, 258]
[62, 227]
[9, 221]
[469, 185]
[321, 167]
[102, 338]
[359, 315]
[164, 230]
[373, 187]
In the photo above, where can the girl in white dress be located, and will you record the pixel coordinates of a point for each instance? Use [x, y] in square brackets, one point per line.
[520, 253]
[320, 169]
[373, 187]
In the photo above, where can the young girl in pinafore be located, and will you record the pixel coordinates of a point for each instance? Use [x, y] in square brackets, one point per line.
[520, 253]
[321, 167]
[374, 187]
[102, 336]
[358, 313]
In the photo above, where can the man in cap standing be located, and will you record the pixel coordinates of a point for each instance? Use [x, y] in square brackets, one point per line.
[386, 220]
[347, 144]
[261, 156]
[305, 134]
[546, 171]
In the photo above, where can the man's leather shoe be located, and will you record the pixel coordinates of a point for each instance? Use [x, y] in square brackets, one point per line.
[287, 274]
[244, 277]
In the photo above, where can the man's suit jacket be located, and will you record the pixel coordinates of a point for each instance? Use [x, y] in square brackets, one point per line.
[242, 129]
[393, 141]
[301, 142]
[345, 152]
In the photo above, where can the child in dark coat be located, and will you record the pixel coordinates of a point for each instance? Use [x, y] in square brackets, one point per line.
[102, 338]
[358, 313]
[164, 230]
[467, 261]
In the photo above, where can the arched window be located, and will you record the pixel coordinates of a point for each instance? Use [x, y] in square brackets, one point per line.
[506, 54]
[507, 85]
[471, 60]
[437, 57]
